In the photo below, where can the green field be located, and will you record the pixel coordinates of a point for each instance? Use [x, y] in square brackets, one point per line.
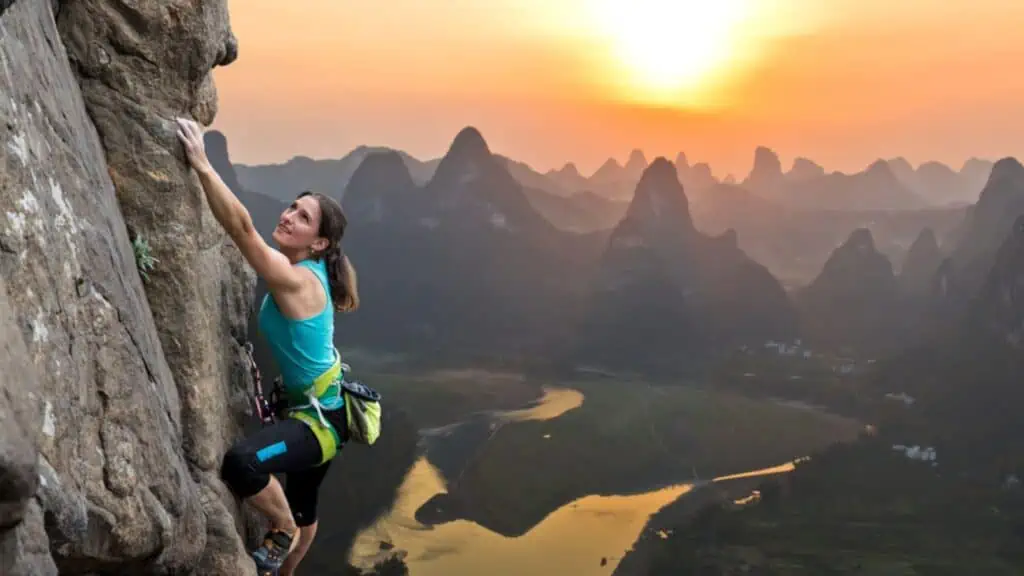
[627, 437]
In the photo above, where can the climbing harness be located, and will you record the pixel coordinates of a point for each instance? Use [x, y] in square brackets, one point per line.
[362, 404]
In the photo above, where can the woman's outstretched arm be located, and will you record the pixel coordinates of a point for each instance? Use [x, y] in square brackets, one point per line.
[268, 263]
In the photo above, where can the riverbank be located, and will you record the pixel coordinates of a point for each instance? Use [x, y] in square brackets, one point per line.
[664, 524]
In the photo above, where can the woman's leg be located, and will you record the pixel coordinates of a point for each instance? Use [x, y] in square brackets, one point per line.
[302, 491]
[288, 446]
[304, 541]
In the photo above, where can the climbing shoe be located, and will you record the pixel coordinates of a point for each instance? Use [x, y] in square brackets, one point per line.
[271, 554]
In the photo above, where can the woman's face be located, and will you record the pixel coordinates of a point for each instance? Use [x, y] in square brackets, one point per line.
[299, 225]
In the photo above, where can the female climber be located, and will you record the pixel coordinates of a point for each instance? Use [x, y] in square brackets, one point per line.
[308, 278]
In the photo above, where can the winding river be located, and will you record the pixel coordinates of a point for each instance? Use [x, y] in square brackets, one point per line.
[586, 537]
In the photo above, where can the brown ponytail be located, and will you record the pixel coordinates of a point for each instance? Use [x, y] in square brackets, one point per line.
[341, 275]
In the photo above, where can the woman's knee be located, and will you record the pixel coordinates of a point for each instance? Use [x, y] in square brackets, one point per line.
[237, 472]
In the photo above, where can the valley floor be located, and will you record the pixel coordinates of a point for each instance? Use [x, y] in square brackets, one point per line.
[626, 437]
[879, 513]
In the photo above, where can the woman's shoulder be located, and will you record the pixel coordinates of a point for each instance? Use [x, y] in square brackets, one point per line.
[318, 267]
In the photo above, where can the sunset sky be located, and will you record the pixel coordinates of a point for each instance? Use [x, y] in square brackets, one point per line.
[548, 81]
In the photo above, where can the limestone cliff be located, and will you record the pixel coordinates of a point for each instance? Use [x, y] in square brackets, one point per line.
[855, 303]
[134, 386]
[667, 297]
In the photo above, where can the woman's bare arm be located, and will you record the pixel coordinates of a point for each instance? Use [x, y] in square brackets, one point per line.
[268, 263]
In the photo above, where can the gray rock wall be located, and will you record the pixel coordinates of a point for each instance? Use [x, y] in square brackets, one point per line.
[132, 390]
[24, 547]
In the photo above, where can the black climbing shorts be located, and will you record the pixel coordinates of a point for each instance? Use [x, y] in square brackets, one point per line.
[287, 447]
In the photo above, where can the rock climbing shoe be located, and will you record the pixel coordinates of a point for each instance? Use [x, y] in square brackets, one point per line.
[271, 554]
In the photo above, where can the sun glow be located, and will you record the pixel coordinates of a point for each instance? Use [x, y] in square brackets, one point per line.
[673, 50]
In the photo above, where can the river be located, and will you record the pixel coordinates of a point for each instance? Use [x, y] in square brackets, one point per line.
[575, 539]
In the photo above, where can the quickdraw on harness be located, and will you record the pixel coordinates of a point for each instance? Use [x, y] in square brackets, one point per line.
[264, 410]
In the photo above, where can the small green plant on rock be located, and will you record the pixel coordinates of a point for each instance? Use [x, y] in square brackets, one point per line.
[143, 256]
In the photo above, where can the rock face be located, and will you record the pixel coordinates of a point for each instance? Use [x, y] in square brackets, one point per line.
[665, 294]
[24, 547]
[139, 66]
[129, 447]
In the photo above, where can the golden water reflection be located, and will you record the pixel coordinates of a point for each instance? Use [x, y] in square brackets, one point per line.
[554, 403]
[571, 540]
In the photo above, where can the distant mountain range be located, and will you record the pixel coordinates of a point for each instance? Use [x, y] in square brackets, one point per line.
[789, 221]
[892, 184]
[475, 256]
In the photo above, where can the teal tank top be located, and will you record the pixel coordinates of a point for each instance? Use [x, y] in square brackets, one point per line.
[302, 349]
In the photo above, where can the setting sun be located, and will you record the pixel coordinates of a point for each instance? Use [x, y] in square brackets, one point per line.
[672, 49]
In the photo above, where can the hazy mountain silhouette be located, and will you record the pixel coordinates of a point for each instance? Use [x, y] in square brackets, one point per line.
[698, 176]
[330, 176]
[988, 224]
[766, 177]
[530, 178]
[875, 188]
[463, 266]
[615, 181]
[568, 177]
[941, 185]
[855, 303]
[380, 188]
[795, 243]
[975, 173]
[999, 308]
[583, 211]
[665, 294]
[921, 263]
[472, 261]
[804, 169]
[904, 172]
[967, 380]
[635, 166]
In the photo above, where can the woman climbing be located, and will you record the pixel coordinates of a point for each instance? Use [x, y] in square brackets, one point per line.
[308, 278]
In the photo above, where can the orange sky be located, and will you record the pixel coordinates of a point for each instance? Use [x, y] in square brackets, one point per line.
[547, 81]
